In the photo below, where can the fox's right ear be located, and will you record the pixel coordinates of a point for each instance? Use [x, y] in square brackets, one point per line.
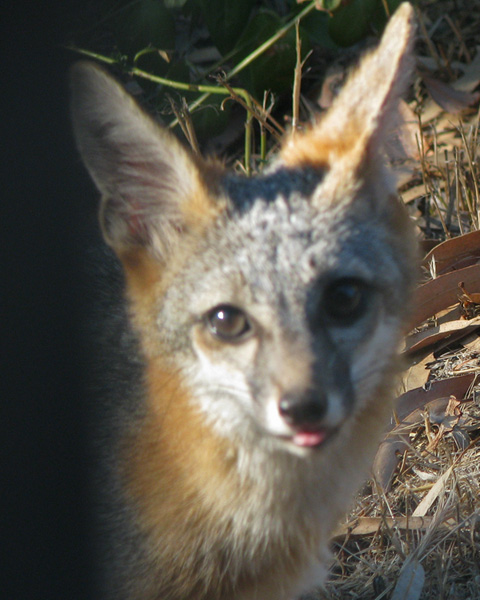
[152, 188]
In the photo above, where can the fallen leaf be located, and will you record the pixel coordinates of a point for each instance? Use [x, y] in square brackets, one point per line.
[387, 458]
[466, 296]
[449, 254]
[444, 412]
[422, 339]
[443, 388]
[442, 292]
[397, 442]
[416, 374]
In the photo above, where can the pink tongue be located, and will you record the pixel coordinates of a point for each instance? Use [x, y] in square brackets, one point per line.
[314, 438]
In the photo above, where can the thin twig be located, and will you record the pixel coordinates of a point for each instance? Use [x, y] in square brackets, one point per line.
[297, 79]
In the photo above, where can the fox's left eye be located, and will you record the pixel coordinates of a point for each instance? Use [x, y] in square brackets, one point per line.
[346, 300]
[228, 323]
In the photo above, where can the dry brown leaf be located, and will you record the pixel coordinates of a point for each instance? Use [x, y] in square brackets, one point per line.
[416, 374]
[387, 458]
[442, 292]
[466, 296]
[448, 138]
[427, 245]
[432, 335]
[444, 412]
[472, 343]
[397, 441]
[452, 253]
[444, 388]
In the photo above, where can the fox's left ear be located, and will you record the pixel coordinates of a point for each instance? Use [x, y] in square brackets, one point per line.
[361, 117]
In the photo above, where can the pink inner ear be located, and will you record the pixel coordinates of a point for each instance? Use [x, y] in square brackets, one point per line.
[138, 225]
[135, 225]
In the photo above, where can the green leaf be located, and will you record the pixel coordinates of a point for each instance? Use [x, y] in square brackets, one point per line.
[274, 69]
[315, 25]
[351, 22]
[145, 23]
[226, 20]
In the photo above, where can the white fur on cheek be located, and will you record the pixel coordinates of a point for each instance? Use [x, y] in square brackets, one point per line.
[222, 390]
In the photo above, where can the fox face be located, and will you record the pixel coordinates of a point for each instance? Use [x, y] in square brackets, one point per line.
[292, 322]
[267, 312]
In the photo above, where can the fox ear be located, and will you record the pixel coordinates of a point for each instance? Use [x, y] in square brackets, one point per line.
[151, 186]
[365, 110]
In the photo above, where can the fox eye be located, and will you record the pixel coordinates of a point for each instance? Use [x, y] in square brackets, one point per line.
[345, 300]
[228, 323]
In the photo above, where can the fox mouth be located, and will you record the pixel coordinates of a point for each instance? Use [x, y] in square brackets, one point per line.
[309, 438]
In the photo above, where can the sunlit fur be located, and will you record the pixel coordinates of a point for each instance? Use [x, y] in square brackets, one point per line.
[210, 491]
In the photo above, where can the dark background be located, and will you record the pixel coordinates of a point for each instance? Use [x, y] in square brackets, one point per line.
[46, 205]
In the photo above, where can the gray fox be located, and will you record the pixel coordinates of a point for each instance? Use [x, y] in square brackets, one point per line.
[259, 337]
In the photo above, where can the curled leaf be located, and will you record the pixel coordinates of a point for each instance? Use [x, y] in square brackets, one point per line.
[442, 292]
[455, 253]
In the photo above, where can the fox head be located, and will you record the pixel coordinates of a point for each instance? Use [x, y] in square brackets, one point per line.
[278, 300]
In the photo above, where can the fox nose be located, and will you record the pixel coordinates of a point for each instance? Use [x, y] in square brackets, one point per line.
[305, 411]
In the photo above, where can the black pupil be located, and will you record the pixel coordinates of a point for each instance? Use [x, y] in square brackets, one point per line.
[345, 300]
[228, 322]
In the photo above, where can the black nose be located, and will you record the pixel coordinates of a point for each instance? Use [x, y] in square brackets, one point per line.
[305, 411]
